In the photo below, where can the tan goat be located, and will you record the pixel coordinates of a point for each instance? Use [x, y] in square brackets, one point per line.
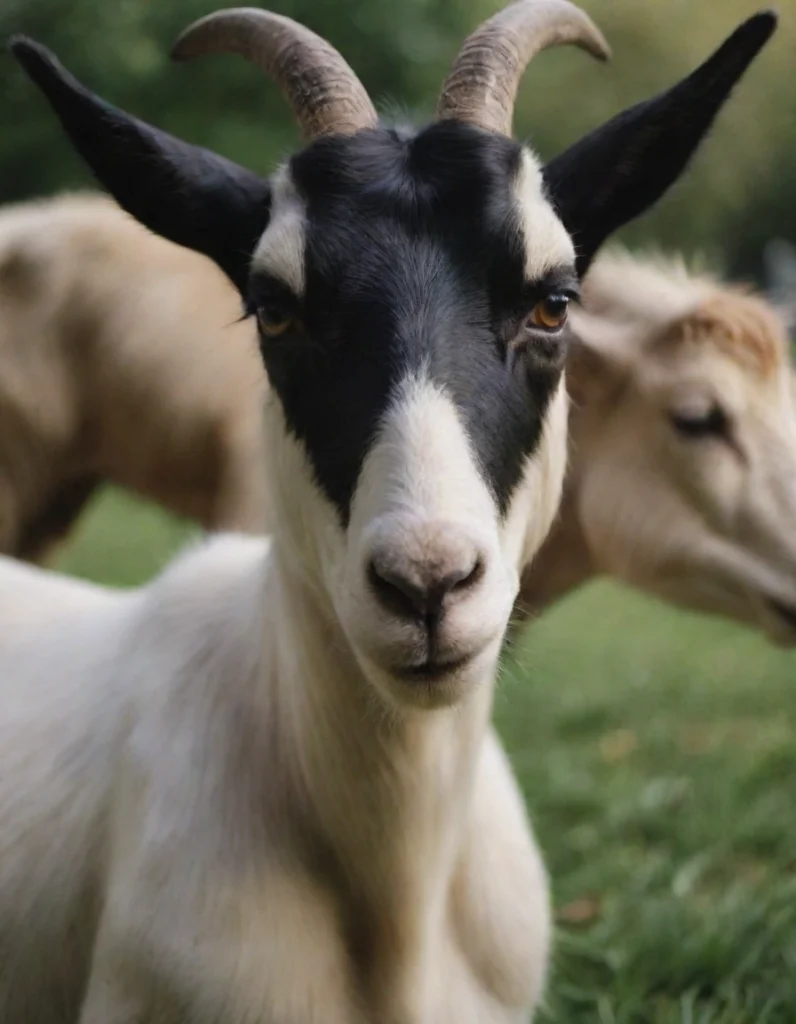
[121, 360]
[682, 472]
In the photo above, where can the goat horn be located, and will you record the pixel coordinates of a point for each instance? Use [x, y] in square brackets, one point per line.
[482, 86]
[325, 94]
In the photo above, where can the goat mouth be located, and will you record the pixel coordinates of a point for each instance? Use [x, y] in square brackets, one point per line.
[434, 670]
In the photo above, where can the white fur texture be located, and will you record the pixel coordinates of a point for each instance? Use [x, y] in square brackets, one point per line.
[547, 244]
[280, 251]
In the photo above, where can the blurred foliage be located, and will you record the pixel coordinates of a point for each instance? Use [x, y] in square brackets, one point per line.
[741, 189]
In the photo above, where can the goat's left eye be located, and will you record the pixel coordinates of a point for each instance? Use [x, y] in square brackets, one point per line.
[274, 320]
[699, 424]
[549, 313]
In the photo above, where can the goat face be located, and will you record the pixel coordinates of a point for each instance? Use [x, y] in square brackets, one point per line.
[402, 287]
[418, 429]
[688, 478]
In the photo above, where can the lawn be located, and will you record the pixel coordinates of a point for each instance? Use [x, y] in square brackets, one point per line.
[657, 753]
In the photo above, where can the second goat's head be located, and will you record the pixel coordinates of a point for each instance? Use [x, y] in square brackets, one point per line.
[411, 291]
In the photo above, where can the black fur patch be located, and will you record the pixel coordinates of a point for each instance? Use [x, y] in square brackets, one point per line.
[414, 260]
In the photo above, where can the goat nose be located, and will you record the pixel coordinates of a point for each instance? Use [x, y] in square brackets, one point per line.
[413, 590]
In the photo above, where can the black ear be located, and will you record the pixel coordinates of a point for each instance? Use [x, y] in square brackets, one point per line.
[620, 170]
[187, 194]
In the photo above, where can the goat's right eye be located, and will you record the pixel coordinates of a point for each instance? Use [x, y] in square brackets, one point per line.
[549, 313]
[274, 320]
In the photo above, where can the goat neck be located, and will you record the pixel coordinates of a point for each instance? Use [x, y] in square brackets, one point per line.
[385, 791]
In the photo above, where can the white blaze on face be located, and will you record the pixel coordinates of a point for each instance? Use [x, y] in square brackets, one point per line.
[421, 499]
[422, 464]
[421, 488]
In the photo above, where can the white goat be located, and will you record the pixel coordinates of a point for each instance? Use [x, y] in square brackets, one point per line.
[120, 360]
[264, 788]
[682, 465]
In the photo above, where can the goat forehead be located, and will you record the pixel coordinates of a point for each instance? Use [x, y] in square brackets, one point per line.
[478, 195]
[410, 250]
[465, 188]
[711, 370]
[732, 326]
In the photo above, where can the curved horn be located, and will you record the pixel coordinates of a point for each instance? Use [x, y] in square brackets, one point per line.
[325, 94]
[482, 86]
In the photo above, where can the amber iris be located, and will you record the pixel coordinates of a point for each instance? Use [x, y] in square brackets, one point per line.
[550, 313]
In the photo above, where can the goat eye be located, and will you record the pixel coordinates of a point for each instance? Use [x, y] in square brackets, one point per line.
[549, 313]
[695, 426]
[274, 320]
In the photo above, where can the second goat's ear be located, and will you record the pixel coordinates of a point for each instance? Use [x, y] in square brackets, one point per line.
[185, 193]
[620, 170]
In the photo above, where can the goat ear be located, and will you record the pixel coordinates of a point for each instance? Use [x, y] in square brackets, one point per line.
[187, 194]
[620, 170]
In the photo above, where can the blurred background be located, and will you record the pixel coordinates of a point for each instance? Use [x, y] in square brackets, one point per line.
[656, 748]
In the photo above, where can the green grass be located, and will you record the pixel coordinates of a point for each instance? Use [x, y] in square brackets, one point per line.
[657, 753]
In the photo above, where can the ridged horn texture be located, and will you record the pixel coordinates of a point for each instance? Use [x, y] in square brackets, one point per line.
[481, 88]
[325, 94]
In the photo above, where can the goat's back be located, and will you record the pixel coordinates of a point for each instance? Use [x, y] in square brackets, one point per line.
[59, 733]
[80, 668]
[122, 358]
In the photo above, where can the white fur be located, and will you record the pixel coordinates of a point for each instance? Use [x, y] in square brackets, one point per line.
[547, 244]
[421, 482]
[280, 251]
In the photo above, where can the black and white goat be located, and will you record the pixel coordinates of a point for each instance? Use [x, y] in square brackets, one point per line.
[264, 788]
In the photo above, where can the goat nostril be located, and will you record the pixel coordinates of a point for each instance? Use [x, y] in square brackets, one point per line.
[416, 596]
[467, 578]
[397, 593]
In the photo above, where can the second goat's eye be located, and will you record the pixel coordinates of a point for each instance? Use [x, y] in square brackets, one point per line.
[550, 313]
[274, 320]
[698, 424]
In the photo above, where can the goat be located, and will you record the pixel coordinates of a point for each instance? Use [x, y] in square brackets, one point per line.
[121, 361]
[682, 474]
[264, 787]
